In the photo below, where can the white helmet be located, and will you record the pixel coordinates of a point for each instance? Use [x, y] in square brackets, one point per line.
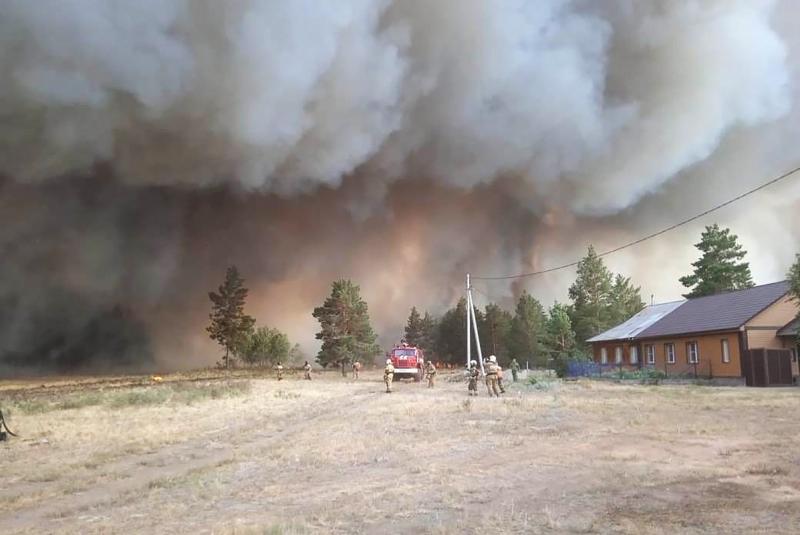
[474, 363]
[492, 358]
[388, 361]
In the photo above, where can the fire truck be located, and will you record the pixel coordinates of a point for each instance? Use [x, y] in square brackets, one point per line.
[408, 361]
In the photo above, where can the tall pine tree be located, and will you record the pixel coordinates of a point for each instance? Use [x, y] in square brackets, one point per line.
[591, 297]
[346, 332]
[494, 331]
[626, 300]
[560, 336]
[451, 343]
[428, 329]
[720, 268]
[413, 332]
[230, 326]
[527, 331]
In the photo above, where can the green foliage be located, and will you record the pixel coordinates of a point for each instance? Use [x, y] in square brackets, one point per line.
[560, 338]
[229, 324]
[451, 343]
[794, 284]
[600, 300]
[527, 332]
[413, 332]
[626, 300]
[591, 297]
[720, 268]
[264, 346]
[494, 328]
[429, 332]
[346, 332]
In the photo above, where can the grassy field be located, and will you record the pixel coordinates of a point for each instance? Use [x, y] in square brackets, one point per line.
[204, 453]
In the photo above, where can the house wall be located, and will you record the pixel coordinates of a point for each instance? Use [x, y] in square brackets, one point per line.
[610, 347]
[776, 315]
[710, 355]
[762, 329]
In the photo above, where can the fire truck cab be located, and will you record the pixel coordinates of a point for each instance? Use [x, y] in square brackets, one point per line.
[408, 361]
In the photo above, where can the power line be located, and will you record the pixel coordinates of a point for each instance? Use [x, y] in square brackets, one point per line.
[649, 236]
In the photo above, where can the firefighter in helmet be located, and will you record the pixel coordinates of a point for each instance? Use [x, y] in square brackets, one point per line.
[430, 373]
[492, 371]
[388, 375]
[307, 370]
[473, 374]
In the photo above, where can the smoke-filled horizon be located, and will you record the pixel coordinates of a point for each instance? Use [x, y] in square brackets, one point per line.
[147, 145]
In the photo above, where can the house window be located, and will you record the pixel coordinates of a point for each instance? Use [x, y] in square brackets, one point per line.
[634, 355]
[651, 353]
[726, 355]
[618, 355]
[691, 353]
[669, 351]
[603, 355]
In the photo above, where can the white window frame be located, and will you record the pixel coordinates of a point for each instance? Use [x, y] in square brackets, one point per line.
[669, 353]
[634, 357]
[692, 353]
[603, 355]
[726, 351]
[650, 349]
[618, 355]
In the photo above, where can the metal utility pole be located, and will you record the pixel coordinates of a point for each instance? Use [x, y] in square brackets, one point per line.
[471, 319]
[469, 340]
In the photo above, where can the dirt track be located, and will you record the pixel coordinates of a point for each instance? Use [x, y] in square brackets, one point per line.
[332, 456]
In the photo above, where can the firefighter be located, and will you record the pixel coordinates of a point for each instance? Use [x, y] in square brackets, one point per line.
[388, 375]
[514, 370]
[356, 369]
[472, 376]
[491, 377]
[499, 377]
[307, 369]
[430, 373]
[279, 371]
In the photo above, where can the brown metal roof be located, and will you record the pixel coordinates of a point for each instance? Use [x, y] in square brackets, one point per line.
[726, 311]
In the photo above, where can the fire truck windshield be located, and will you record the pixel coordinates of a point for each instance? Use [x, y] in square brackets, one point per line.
[405, 352]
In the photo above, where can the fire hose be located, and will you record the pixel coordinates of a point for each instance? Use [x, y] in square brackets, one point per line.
[4, 425]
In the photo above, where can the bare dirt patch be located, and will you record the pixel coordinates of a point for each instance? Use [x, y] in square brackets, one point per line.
[336, 456]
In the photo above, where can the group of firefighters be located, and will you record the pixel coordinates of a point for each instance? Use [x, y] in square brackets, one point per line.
[494, 376]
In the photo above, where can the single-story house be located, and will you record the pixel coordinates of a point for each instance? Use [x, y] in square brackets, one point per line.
[704, 335]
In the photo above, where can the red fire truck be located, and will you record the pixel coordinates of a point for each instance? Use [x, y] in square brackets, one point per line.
[408, 361]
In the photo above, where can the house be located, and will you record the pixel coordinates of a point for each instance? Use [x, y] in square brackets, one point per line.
[704, 336]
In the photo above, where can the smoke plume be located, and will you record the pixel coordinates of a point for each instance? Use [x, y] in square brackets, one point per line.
[145, 146]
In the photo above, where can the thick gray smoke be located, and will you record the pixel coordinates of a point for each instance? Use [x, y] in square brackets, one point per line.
[147, 144]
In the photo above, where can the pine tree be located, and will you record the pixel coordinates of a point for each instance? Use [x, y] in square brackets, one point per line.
[494, 330]
[230, 326]
[527, 330]
[591, 297]
[720, 268]
[413, 332]
[346, 332]
[451, 343]
[626, 300]
[428, 329]
[794, 286]
[560, 336]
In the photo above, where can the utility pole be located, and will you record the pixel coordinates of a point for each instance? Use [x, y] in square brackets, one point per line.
[471, 319]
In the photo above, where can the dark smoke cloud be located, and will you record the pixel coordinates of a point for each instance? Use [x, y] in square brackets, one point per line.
[147, 145]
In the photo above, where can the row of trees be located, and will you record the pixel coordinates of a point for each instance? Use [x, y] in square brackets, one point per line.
[599, 299]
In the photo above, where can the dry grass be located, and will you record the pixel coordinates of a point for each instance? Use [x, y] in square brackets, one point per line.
[255, 455]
